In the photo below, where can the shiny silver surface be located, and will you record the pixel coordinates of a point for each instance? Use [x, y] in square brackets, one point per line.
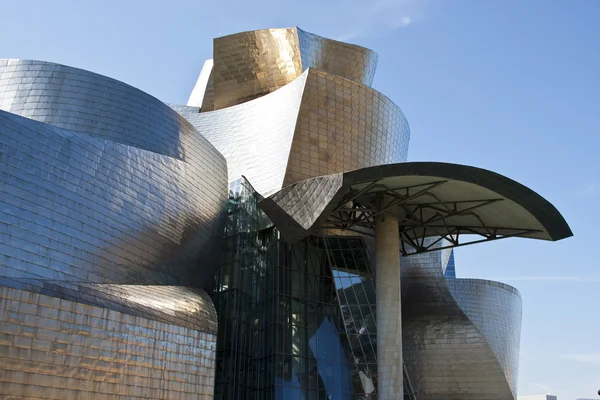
[495, 310]
[93, 104]
[201, 87]
[255, 137]
[107, 195]
[81, 207]
[318, 124]
[460, 336]
[112, 211]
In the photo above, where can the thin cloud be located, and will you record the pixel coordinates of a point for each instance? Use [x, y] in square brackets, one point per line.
[382, 17]
[587, 358]
[541, 387]
[347, 37]
[591, 189]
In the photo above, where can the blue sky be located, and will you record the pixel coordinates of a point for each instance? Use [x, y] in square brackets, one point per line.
[512, 86]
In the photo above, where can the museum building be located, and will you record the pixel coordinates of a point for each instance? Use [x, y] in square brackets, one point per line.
[267, 240]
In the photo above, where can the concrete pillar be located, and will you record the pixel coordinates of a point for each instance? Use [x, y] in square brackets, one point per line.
[389, 322]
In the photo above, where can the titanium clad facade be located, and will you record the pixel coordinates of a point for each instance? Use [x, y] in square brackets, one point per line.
[460, 336]
[78, 208]
[106, 197]
[342, 126]
[58, 349]
[118, 232]
[495, 310]
[252, 64]
[255, 137]
[349, 61]
[92, 104]
[104, 203]
[319, 124]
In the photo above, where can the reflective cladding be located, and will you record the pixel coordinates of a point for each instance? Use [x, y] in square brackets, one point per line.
[355, 284]
[319, 124]
[281, 334]
[347, 60]
[52, 348]
[79, 208]
[251, 64]
[93, 104]
[460, 336]
[105, 203]
[450, 271]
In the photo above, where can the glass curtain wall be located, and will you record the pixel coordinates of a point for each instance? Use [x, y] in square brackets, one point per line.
[295, 321]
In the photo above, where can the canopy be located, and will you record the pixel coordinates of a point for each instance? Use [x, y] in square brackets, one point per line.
[433, 200]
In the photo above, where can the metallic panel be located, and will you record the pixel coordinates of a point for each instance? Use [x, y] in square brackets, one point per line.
[350, 61]
[447, 353]
[317, 125]
[79, 208]
[495, 309]
[178, 305]
[342, 126]
[199, 91]
[255, 137]
[85, 102]
[252, 64]
[118, 192]
[434, 200]
[58, 349]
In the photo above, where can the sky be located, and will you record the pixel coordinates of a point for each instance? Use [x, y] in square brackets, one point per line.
[512, 86]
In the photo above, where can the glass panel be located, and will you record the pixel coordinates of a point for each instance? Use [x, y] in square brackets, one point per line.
[282, 333]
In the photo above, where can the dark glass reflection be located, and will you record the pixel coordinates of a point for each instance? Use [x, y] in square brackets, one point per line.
[295, 322]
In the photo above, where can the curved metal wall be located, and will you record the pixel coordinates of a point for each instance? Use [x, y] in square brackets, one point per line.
[53, 348]
[252, 64]
[255, 137]
[110, 192]
[349, 61]
[342, 126]
[495, 309]
[453, 333]
[79, 208]
[317, 125]
[85, 102]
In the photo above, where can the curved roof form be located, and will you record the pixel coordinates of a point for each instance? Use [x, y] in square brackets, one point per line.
[440, 200]
[317, 125]
[248, 65]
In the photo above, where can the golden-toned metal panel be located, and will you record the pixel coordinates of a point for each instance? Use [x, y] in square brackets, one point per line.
[251, 64]
[342, 126]
[58, 349]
